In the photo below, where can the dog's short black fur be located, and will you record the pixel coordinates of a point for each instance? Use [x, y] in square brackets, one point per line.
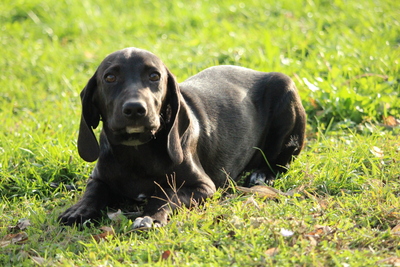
[175, 144]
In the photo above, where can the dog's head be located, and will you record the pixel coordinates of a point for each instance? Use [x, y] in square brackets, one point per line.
[135, 95]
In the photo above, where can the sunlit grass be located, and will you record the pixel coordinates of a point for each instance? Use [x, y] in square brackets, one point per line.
[344, 59]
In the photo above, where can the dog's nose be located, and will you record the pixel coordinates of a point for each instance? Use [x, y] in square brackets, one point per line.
[134, 110]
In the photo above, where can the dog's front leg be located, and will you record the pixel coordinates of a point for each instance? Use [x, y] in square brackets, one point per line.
[167, 200]
[94, 200]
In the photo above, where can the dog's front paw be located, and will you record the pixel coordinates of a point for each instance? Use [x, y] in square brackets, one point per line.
[78, 214]
[260, 178]
[146, 222]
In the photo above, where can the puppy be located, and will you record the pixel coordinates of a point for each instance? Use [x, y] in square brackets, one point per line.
[220, 123]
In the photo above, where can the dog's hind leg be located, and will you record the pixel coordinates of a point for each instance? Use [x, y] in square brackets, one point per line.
[283, 141]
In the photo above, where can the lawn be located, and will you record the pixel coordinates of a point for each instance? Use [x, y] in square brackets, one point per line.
[340, 200]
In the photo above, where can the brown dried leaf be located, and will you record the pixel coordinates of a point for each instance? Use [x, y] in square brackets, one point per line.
[390, 121]
[327, 230]
[313, 103]
[4, 243]
[317, 233]
[272, 252]
[323, 204]
[21, 225]
[18, 238]
[394, 215]
[396, 230]
[166, 254]
[262, 191]
[394, 261]
[107, 231]
[320, 230]
[100, 237]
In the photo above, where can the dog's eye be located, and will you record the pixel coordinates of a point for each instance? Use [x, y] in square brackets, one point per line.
[110, 78]
[154, 76]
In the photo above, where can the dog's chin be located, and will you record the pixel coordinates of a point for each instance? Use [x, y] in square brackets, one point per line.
[134, 140]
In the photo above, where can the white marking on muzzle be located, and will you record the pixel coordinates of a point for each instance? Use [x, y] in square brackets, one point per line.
[132, 130]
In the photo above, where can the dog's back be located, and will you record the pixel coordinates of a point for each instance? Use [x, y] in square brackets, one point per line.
[237, 109]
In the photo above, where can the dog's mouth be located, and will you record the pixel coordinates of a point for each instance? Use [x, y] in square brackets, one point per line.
[135, 130]
[132, 135]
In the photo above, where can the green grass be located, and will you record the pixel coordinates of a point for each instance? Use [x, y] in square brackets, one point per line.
[342, 55]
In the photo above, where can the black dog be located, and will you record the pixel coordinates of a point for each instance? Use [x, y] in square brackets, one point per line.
[174, 145]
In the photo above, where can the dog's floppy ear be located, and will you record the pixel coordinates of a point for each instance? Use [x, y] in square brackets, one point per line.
[179, 120]
[88, 147]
